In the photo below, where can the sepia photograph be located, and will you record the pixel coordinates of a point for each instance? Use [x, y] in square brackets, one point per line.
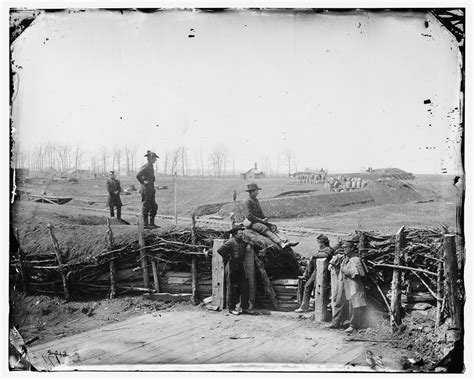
[237, 189]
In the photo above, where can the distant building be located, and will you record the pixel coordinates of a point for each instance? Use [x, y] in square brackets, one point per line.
[253, 173]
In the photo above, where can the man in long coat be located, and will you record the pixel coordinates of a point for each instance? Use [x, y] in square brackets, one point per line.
[351, 297]
[324, 252]
[257, 221]
[114, 189]
[233, 252]
[146, 177]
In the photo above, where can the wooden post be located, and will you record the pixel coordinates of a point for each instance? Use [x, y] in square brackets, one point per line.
[218, 276]
[249, 266]
[59, 254]
[176, 198]
[194, 281]
[321, 291]
[451, 274]
[439, 302]
[24, 280]
[396, 302]
[143, 258]
[267, 284]
[156, 281]
[299, 295]
[194, 268]
[110, 247]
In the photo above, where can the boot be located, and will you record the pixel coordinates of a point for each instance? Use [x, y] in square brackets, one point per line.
[145, 220]
[152, 222]
[119, 214]
[112, 212]
[274, 238]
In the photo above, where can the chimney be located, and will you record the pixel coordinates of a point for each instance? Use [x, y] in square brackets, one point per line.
[255, 166]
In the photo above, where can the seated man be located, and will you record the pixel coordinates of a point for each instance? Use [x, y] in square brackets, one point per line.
[325, 252]
[233, 252]
[256, 220]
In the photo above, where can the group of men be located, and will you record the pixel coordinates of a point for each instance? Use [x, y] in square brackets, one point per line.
[348, 297]
[146, 177]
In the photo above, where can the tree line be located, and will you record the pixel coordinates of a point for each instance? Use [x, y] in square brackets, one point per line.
[180, 160]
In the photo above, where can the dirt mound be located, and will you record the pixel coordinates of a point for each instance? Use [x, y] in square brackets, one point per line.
[288, 205]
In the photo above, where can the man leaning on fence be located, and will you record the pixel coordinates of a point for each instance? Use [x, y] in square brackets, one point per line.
[324, 252]
[233, 252]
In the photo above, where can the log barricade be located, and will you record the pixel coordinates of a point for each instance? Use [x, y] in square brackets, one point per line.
[180, 261]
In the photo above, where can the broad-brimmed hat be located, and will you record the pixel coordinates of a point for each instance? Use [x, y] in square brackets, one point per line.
[235, 228]
[351, 240]
[149, 153]
[322, 238]
[252, 187]
[111, 172]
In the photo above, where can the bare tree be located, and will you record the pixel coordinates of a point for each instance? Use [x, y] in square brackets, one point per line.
[288, 155]
[104, 154]
[218, 160]
[184, 159]
[128, 152]
[175, 159]
[63, 155]
[78, 154]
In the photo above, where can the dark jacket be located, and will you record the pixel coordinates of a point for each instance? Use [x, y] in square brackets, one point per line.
[146, 173]
[233, 252]
[253, 211]
[113, 186]
[325, 253]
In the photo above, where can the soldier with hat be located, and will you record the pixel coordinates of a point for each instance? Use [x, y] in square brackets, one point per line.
[146, 177]
[256, 220]
[233, 252]
[309, 276]
[114, 189]
[350, 298]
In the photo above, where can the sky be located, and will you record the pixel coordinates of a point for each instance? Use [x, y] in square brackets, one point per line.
[342, 91]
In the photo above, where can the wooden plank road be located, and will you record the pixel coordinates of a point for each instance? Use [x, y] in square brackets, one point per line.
[199, 339]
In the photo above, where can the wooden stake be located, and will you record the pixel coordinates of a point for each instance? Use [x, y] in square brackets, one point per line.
[218, 276]
[176, 198]
[396, 303]
[154, 269]
[267, 284]
[427, 287]
[451, 273]
[111, 246]
[194, 268]
[59, 254]
[194, 281]
[249, 267]
[24, 280]
[143, 258]
[439, 301]
[321, 291]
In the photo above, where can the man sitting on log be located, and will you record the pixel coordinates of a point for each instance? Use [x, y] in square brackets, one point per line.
[233, 252]
[256, 220]
[325, 252]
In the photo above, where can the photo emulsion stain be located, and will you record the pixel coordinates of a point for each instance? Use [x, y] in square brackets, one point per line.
[237, 190]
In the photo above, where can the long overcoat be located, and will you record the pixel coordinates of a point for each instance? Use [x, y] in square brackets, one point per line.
[353, 271]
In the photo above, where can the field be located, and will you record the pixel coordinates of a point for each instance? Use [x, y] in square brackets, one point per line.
[426, 201]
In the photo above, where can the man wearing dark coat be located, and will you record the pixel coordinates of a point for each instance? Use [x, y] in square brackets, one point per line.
[233, 252]
[146, 177]
[324, 252]
[114, 189]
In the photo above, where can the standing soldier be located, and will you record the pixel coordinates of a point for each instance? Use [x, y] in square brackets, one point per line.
[146, 177]
[234, 195]
[114, 189]
[233, 252]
